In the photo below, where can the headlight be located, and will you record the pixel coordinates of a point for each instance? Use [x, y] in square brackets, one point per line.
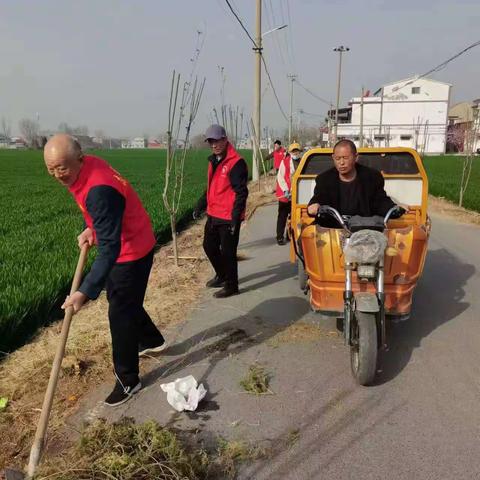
[366, 271]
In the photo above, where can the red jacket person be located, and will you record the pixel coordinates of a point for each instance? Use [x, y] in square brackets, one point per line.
[225, 201]
[120, 227]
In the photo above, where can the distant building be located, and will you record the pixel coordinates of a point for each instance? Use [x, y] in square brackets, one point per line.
[154, 143]
[85, 141]
[407, 113]
[137, 142]
[4, 141]
[462, 117]
[17, 143]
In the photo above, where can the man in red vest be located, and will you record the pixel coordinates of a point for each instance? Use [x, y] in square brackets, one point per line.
[120, 227]
[278, 154]
[225, 201]
[284, 185]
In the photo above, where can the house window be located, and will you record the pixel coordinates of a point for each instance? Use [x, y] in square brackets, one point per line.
[405, 137]
[379, 137]
[415, 90]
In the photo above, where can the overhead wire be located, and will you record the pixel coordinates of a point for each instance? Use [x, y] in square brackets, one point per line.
[270, 15]
[330, 103]
[441, 66]
[261, 56]
[289, 33]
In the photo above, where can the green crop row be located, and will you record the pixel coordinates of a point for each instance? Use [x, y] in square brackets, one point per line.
[444, 176]
[39, 223]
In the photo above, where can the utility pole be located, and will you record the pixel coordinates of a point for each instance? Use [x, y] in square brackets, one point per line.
[290, 120]
[258, 86]
[341, 49]
[381, 120]
[361, 120]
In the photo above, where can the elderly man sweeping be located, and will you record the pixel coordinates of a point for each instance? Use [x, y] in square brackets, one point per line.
[118, 224]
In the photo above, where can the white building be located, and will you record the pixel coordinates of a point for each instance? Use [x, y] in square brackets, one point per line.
[408, 113]
[137, 142]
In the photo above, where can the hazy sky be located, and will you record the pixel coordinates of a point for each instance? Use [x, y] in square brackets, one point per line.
[107, 63]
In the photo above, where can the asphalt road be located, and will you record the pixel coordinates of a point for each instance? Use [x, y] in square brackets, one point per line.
[420, 421]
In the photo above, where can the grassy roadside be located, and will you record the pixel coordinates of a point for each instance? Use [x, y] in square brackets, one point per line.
[444, 175]
[171, 294]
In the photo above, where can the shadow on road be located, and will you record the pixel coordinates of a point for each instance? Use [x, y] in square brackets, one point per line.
[273, 274]
[232, 337]
[438, 299]
[261, 242]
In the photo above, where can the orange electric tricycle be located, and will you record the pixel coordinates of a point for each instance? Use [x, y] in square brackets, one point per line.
[365, 271]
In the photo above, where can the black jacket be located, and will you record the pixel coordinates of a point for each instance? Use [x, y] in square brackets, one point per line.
[373, 198]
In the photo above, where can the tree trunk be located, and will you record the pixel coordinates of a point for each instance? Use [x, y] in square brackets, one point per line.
[173, 226]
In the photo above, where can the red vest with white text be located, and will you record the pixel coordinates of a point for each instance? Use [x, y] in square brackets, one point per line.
[220, 194]
[279, 191]
[137, 238]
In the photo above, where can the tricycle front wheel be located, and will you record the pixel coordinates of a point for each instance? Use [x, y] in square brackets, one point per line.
[364, 348]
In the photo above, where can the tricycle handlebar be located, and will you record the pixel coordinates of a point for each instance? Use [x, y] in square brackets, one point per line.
[396, 211]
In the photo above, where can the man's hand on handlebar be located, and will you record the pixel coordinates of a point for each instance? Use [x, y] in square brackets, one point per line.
[399, 211]
[313, 209]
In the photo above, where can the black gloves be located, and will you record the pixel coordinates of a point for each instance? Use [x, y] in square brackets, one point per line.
[233, 227]
[398, 212]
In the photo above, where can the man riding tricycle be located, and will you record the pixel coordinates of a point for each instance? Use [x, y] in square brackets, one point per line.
[359, 231]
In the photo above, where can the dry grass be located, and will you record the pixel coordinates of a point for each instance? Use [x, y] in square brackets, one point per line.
[300, 332]
[256, 381]
[129, 451]
[445, 207]
[233, 452]
[171, 294]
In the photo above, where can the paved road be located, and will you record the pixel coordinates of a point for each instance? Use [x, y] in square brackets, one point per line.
[420, 421]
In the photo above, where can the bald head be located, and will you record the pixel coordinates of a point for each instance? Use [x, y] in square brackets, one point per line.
[63, 158]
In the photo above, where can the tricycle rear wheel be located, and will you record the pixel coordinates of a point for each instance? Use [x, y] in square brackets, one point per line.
[302, 275]
[364, 348]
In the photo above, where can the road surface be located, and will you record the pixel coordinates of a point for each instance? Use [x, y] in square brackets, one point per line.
[420, 421]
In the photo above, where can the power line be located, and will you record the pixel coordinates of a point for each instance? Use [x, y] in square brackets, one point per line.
[241, 23]
[261, 55]
[273, 88]
[314, 94]
[275, 40]
[441, 66]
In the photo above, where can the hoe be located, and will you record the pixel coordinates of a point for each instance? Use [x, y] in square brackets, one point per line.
[39, 440]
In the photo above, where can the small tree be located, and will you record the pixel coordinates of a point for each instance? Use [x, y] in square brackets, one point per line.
[470, 141]
[181, 116]
[29, 129]
[6, 129]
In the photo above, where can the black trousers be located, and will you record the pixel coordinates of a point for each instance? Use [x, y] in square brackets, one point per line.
[221, 249]
[283, 211]
[130, 324]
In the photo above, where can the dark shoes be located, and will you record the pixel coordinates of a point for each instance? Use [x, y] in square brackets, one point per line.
[226, 292]
[281, 241]
[121, 394]
[215, 282]
[149, 350]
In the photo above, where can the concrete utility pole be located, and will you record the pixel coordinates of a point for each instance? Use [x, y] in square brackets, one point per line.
[381, 121]
[258, 86]
[290, 120]
[361, 119]
[341, 49]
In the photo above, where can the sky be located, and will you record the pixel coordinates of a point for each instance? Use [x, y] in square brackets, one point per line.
[108, 64]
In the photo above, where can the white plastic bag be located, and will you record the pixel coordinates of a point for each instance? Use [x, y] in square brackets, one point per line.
[184, 393]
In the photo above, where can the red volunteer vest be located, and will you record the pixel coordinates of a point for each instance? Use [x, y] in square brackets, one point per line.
[137, 238]
[220, 194]
[278, 156]
[279, 191]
